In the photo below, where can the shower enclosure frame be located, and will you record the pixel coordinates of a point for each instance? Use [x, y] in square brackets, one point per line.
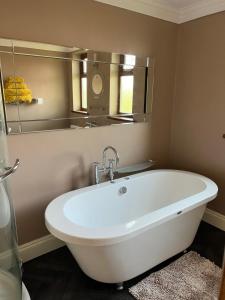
[11, 286]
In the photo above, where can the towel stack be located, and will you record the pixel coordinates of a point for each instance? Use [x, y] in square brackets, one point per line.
[16, 90]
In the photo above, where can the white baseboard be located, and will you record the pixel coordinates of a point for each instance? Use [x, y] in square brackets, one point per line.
[214, 218]
[39, 247]
[31, 250]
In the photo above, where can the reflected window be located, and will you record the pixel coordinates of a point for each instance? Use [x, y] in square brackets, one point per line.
[126, 94]
[129, 62]
[126, 82]
[83, 84]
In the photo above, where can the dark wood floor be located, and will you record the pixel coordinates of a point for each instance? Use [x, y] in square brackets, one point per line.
[56, 275]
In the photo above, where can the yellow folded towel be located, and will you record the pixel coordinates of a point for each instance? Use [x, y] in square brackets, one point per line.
[15, 99]
[15, 79]
[16, 90]
[15, 85]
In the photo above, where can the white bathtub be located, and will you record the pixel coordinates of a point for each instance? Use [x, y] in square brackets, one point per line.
[115, 237]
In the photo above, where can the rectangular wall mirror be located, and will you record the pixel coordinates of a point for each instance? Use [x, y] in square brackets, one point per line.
[49, 87]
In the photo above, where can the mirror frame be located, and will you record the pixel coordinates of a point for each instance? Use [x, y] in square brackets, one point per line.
[93, 57]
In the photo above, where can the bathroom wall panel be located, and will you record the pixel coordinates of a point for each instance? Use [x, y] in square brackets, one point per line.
[55, 162]
[199, 105]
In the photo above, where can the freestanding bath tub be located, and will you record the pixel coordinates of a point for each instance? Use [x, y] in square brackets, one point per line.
[119, 230]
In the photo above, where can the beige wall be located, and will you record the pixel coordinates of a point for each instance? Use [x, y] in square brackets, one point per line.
[199, 106]
[55, 162]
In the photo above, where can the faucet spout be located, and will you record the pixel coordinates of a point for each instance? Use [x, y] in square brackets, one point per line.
[115, 153]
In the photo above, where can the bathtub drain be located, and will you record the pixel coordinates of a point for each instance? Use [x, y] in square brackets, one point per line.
[122, 190]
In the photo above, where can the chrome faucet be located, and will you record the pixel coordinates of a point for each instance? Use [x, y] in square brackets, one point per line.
[111, 161]
[114, 151]
[103, 168]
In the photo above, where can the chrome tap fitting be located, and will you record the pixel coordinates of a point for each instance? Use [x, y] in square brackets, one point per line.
[104, 168]
[115, 153]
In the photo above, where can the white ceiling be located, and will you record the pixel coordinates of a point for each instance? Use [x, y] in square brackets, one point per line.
[177, 11]
[175, 3]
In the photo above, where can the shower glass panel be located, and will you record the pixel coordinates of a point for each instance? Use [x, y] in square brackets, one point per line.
[10, 271]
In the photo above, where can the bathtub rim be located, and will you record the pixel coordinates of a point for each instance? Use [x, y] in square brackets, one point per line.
[64, 229]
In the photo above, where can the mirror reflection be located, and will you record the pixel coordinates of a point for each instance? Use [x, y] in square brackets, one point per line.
[49, 87]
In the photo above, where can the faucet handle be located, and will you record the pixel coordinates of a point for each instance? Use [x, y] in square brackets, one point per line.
[111, 169]
[96, 171]
[98, 165]
[111, 162]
